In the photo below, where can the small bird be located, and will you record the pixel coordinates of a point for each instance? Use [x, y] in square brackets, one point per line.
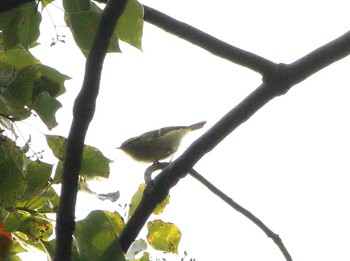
[156, 145]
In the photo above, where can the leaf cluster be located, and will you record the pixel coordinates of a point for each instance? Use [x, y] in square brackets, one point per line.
[28, 200]
[82, 17]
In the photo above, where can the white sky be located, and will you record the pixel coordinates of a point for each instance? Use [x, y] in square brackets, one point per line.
[288, 164]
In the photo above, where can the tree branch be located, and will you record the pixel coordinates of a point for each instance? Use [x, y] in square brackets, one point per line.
[275, 237]
[207, 42]
[276, 82]
[322, 57]
[157, 189]
[278, 79]
[83, 111]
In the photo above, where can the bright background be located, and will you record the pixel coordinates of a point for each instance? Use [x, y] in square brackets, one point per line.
[288, 165]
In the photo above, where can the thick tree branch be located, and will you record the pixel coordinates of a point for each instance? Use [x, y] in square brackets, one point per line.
[191, 34]
[83, 111]
[207, 42]
[278, 79]
[322, 57]
[158, 189]
[276, 82]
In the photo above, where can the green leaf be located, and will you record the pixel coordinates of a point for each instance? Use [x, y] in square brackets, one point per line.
[72, 6]
[46, 108]
[113, 252]
[32, 231]
[32, 80]
[38, 194]
[94, 234]
[94, 163]
[163, 236]
[37, 175]
[33, 87]
[50, 80]
[161, 206]
[10, 107]
[130, 24]
[14, 220]
[17, 58]
[12, 183]
[58, 145]
[82, 17]
[16, 248]
[46, 201]
[6, 76]
[145, 257]
[58, 173]
[51, 201]
[21, 88]
[8, 149]
[20, 26]
[46, 3]
[50, 246]
[37, 228]
[136, 199]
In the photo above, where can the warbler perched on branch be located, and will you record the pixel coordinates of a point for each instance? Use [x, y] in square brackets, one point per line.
[158, 144]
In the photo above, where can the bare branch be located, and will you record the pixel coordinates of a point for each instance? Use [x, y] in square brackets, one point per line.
[278, 79]
[275, 237]
[207, 42]
[322, 57]
[83, 111]
[276, 82]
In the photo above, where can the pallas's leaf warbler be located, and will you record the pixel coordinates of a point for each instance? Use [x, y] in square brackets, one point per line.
[156, 145]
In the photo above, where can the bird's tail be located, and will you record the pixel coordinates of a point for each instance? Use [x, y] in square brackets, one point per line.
[197, 126]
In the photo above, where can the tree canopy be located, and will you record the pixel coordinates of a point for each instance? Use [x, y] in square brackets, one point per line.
[29, 88]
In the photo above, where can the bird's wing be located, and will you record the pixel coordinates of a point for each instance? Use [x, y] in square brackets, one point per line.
[161, 132]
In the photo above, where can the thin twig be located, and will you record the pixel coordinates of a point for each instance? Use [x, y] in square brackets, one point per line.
[275, 237]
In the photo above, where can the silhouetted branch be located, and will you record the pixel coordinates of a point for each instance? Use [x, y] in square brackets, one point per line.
[275, 237]
[277, 81]
[83, 111]
[207, 42]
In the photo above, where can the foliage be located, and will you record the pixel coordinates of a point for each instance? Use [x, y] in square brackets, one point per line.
[82, 17]
[137, 198]
[28, 199]
[94, 164]
[96, 232]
